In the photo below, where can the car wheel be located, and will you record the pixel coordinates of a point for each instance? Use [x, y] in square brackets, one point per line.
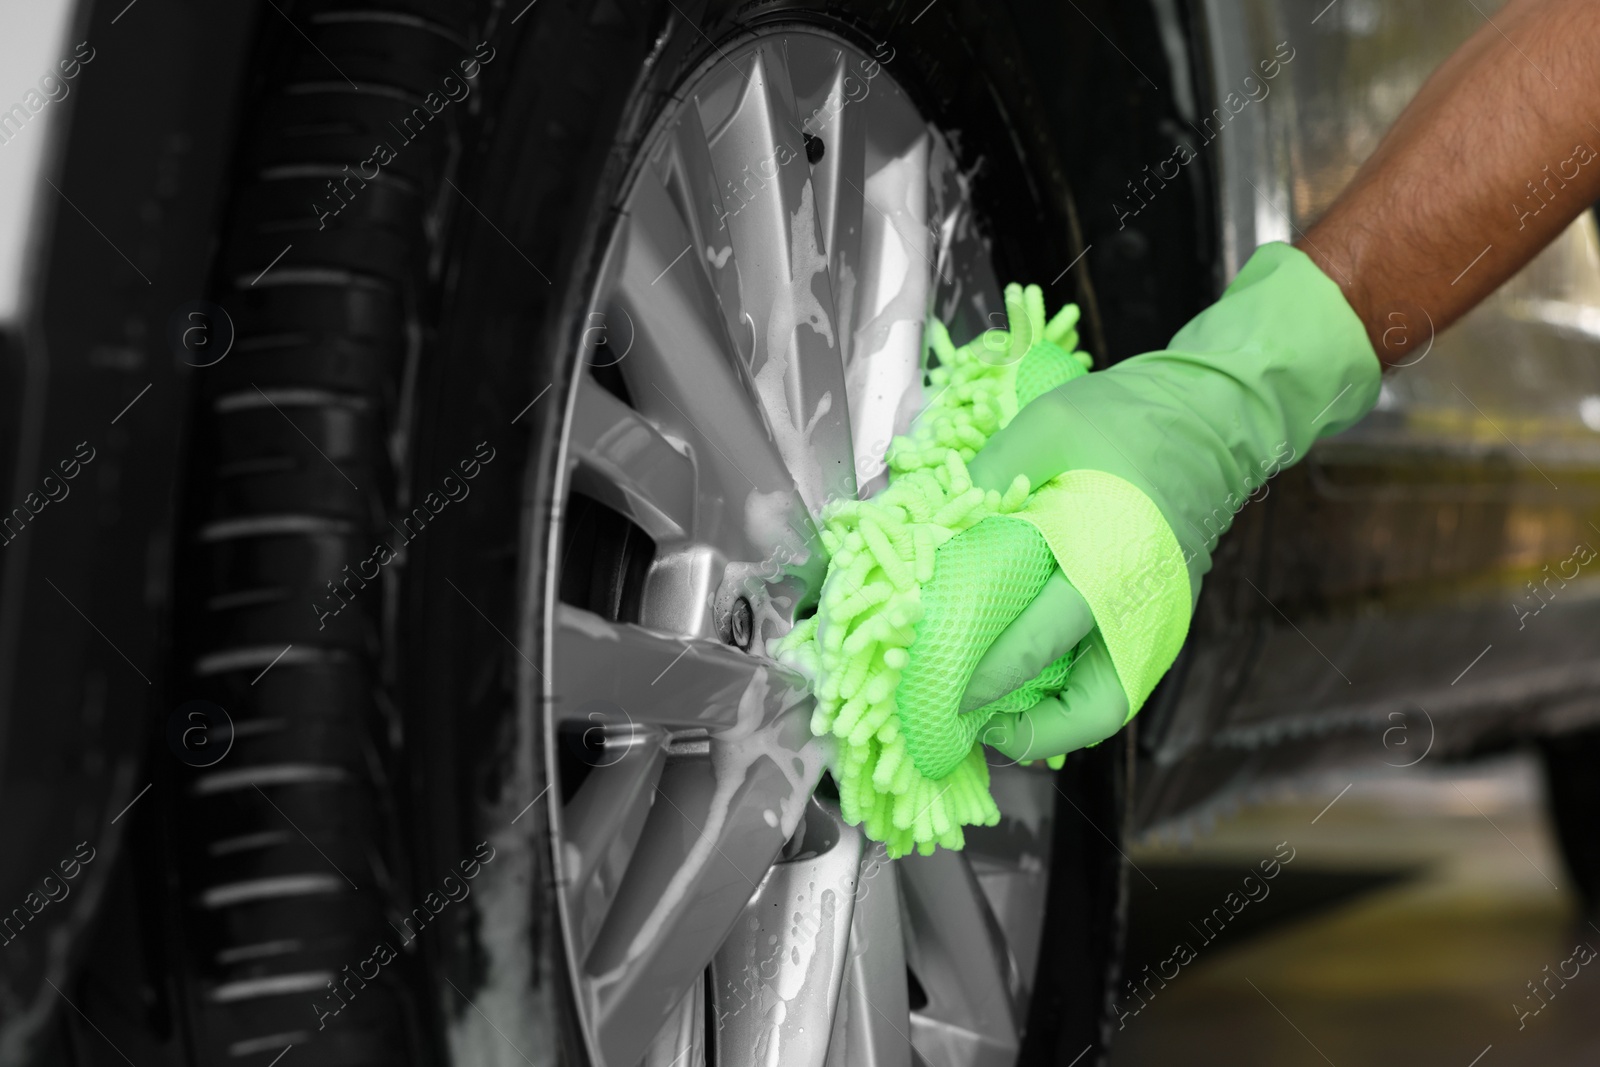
[597, 355]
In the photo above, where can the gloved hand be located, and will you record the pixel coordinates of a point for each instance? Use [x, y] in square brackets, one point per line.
[1195, 429]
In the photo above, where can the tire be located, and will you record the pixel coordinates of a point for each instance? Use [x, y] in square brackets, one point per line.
[420, 723]
[284, 850]
[1571, 794]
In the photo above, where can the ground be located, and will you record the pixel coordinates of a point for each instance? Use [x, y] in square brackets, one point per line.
[1404, 932]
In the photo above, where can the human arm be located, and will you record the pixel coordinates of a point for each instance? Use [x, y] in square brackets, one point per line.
[1442, 213]
[1495, 155]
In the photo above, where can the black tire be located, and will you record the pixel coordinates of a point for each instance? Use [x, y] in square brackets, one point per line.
[291, 479]
[1572, 795]
[442, 657]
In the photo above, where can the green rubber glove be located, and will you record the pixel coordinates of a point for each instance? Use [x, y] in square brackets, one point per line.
[1240, 393]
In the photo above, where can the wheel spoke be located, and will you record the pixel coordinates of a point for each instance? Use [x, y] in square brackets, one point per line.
[895, 272]
[687, 380]
[682, 1041]
[649, 677]
[777, 976]
[602, 824]
[688, 174]
[624, 462]
[872, 1024]
[715, 829]
[828, 91]
[771, 212]
[958, 952]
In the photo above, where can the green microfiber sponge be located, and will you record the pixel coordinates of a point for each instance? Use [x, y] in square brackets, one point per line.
[906, 612]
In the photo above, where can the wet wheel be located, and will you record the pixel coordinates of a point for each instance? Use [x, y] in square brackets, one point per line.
[750, 317]
[597, 358]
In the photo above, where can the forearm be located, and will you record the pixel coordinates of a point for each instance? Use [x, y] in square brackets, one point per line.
[1491, 160]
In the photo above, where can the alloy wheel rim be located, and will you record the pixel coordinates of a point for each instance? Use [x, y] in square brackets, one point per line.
[753, 343]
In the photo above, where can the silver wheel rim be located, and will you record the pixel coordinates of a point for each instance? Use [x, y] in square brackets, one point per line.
[762, 301]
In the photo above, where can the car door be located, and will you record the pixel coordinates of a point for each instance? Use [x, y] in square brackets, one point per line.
[1432, 568]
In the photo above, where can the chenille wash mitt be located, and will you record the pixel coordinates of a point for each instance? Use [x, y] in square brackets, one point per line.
[925, 575]
[1136, 469]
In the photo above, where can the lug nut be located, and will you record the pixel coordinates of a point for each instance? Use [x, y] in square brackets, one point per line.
[741, 624]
